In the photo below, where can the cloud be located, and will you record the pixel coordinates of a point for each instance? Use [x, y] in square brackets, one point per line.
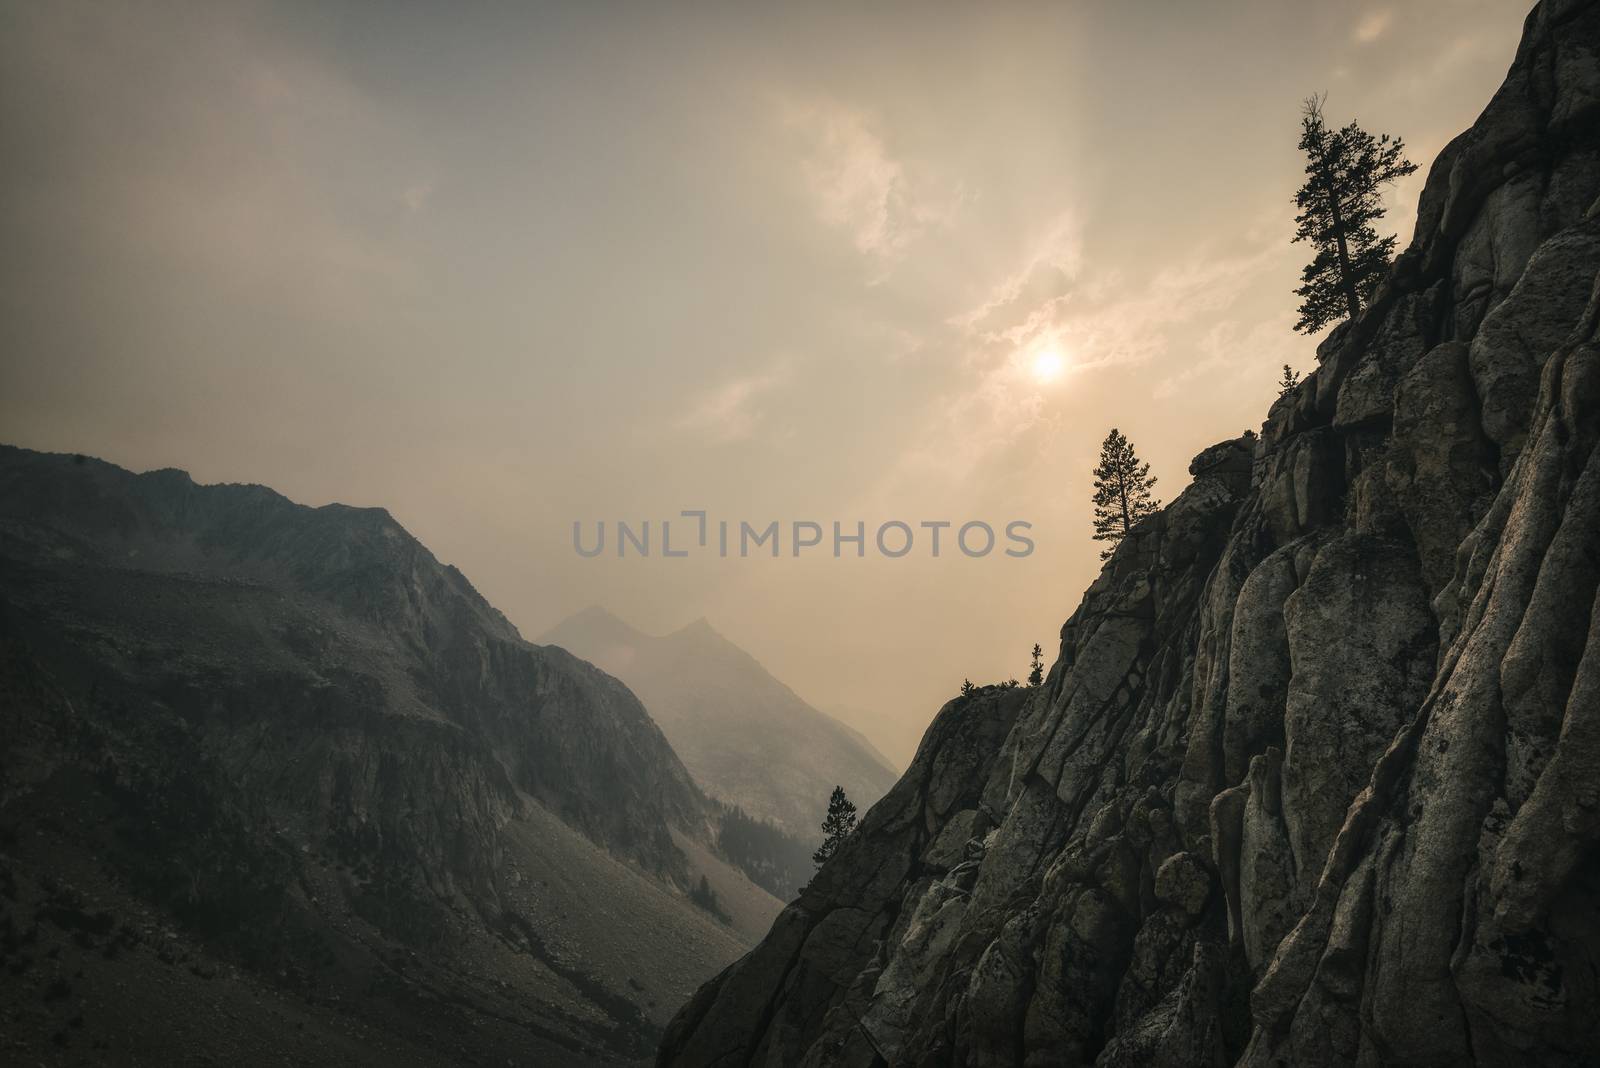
[1108, 318]
[990, 414]
[1035, 289]
[1234, 350]
[732, 411]
[855, 185]
[1137, 327]
[996, 414]
[1373, 25]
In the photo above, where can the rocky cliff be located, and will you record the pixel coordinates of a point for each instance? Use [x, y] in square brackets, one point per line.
[287, 745]
[1313, 779]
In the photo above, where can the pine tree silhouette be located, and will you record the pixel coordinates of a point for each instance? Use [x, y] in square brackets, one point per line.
[1290, 379]
[1121, 491]
[1338, 204]
[1036, 676]
[836, 827]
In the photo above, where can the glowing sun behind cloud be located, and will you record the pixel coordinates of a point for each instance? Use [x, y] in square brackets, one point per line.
[1048, 365]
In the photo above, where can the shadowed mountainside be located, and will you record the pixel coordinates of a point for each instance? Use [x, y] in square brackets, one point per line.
[1312, 780]
[274, 767]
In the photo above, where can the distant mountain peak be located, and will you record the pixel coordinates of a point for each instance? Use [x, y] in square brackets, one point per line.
[745, 736]
[701, 630]
[594, 624]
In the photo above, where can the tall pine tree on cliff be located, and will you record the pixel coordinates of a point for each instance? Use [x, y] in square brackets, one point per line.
[836, 826]
[1338, 204]
[1121, 491]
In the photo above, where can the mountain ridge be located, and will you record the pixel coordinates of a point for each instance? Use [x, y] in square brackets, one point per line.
[295, 740]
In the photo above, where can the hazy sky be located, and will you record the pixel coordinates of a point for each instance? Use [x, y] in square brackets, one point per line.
[500, 267]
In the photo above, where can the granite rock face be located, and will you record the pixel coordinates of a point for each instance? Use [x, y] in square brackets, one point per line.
[1315, 778]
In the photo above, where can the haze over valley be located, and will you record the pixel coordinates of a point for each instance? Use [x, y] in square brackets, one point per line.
[1170, 439]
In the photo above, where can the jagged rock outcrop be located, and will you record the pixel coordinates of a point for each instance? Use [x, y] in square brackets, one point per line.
[923, 834]
[1313, 780]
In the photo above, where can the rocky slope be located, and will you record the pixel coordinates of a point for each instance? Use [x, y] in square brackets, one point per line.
[1313, 779]
[746, 738]
[287, 746]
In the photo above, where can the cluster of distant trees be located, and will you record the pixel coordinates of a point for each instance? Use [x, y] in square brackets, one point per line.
[706, 898]
[773, 859]
[1035, 676]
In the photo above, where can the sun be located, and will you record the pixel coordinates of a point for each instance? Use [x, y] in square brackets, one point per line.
[1048, 365]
